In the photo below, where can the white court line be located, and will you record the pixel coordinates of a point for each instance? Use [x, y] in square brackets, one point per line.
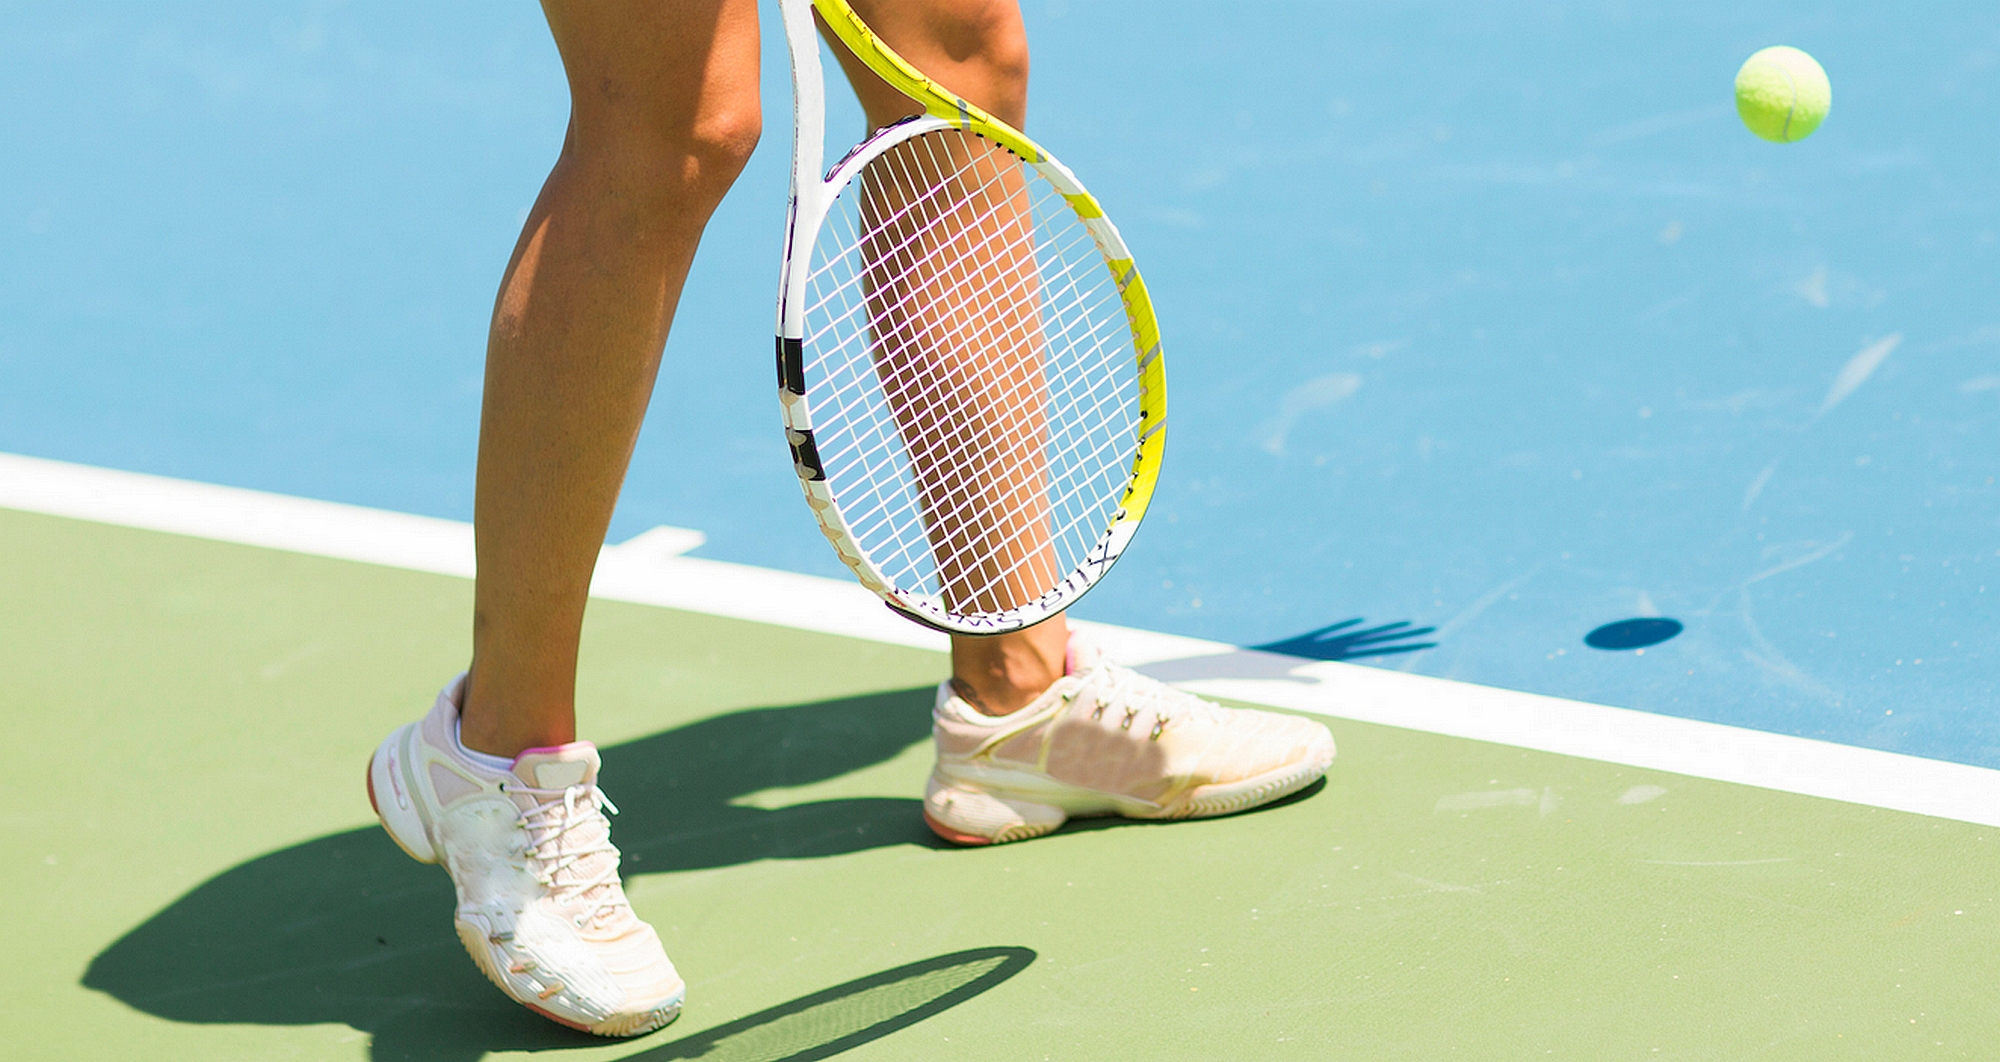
[647, 571]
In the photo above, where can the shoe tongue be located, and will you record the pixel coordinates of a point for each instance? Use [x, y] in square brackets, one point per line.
[560, 767]
[581, 848]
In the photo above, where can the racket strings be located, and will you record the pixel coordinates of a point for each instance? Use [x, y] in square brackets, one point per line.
[920, 196]
[1015, 567]
[1067, 451]
[992, 271]
[971, 374]
[1069, 268]
[1061, 453]
[875, 321]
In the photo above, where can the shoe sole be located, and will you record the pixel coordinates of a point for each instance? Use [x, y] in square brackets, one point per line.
[618, 1026]
[954, 809]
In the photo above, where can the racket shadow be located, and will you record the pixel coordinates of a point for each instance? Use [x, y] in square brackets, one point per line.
[345, 928]
[846, 1016]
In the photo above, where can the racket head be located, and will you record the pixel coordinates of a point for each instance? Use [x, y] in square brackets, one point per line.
[971, 377]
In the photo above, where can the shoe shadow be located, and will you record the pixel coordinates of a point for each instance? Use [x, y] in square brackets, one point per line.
[346, 928]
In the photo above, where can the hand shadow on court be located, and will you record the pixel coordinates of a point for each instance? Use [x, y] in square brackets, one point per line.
[1279, 659]
[347, 929]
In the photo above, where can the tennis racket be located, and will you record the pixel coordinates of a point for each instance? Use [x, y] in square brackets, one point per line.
[968, 362]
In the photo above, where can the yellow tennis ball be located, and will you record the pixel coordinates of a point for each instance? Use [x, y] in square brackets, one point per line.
[1782, 94]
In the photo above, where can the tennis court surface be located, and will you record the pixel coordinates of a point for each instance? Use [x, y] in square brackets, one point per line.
[1490, 325]
[199, 875]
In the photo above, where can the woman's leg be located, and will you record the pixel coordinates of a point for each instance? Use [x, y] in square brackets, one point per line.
[664, 113]
[978, 49]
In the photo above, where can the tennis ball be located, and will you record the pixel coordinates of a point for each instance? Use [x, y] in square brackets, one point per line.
[1782, 94]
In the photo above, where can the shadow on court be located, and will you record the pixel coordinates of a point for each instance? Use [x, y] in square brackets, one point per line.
[1346, 640]
[846, 1016]
[345, 928]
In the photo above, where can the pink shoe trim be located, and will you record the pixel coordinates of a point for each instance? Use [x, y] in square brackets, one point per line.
[952, 835]
[560, 1020]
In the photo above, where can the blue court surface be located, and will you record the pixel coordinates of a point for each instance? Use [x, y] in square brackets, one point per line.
[1486, 319]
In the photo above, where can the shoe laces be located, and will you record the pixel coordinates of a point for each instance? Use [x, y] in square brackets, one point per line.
[1132, 695]
[570, 837]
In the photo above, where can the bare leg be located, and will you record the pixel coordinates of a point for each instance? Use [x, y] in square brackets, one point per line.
[978, 49]
[664, 113]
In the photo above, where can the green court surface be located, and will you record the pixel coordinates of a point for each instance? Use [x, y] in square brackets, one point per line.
[197, 875]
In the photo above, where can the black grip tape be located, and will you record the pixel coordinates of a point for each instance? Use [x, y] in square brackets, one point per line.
[791, 365]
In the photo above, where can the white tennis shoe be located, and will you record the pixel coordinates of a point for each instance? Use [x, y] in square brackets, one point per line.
[1105, 740]
[540, 906]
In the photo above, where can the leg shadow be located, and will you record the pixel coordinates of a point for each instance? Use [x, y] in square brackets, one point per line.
[674, 788]
[345, 928]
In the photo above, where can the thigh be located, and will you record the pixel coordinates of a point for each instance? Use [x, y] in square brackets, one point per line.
[677, 69]
[976, 48]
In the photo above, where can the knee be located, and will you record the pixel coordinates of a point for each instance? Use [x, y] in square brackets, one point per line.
[674, 160]
[990, 45]
[716, 149]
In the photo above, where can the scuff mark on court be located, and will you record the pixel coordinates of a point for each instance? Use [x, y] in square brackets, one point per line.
[1757, 485]
[1492, 798]
[1857, 371]
[1315, 394]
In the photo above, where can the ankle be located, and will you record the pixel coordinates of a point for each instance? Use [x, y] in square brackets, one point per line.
[489, 760]
[1003, 674]
[487, 725]
[997, 699]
